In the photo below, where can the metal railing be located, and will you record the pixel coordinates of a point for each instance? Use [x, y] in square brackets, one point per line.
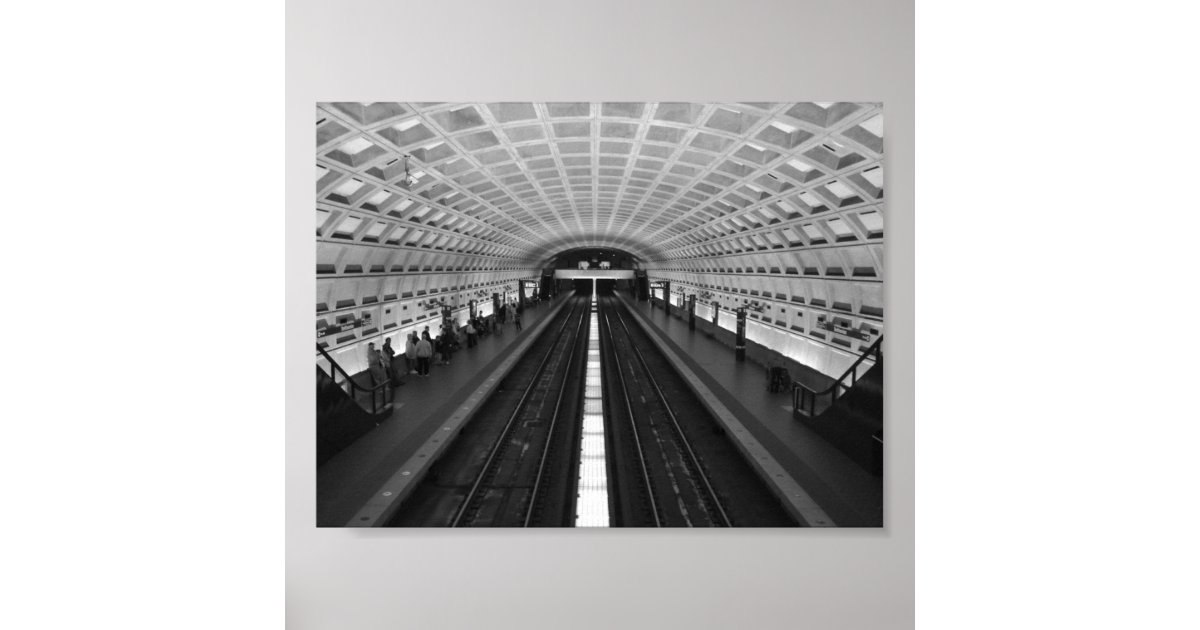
[804, 398]
[378, 393]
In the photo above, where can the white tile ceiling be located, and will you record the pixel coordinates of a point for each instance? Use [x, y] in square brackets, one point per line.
[658, 180]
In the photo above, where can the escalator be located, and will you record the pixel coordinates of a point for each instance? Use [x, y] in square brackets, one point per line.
[849, 414]
[345, 411]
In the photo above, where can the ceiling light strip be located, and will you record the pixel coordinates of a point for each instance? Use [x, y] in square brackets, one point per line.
[591, 502]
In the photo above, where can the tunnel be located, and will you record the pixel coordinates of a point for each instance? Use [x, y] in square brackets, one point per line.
[739, 243]
[778, 208]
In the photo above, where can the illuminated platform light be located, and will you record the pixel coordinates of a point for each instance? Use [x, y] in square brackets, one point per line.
[591, 497]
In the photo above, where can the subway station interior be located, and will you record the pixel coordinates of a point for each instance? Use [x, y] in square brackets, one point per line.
[654, 314]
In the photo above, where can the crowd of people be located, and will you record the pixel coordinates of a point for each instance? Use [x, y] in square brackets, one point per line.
[425, 350]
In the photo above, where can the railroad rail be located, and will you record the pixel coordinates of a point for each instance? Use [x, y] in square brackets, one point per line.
[675, 481]
[528, 435]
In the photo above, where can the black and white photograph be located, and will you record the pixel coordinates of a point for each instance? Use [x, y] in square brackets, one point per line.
[599, 314]
[587, 271]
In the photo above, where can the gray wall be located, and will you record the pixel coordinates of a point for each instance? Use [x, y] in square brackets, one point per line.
[475, 50]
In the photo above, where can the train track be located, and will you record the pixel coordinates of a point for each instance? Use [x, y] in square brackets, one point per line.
[662, 480]
[525, 475]
[667, 459]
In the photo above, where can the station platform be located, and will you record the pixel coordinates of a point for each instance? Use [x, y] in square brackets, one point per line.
[350, 478]
[851, 496]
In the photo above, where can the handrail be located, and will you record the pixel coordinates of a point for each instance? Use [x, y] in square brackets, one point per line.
[335, 367]
[834, 390]
[874, 349]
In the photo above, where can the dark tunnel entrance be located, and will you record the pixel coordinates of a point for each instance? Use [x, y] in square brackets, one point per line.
[593, 258]
[601, 287]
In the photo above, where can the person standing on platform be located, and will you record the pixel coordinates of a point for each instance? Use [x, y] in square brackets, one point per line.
[517, 318]
[471, 333]
[443, 349]
[410, 354]
[389, 356]
[424, 352]
[375, 366]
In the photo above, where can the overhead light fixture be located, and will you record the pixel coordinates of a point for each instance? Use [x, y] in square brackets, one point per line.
[408, 180]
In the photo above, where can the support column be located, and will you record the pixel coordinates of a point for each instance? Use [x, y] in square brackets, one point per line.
[495, 306]
[446, 314]
[739, 348]
[666, 289]
[520, 296]
[691, 309]
[473, 310]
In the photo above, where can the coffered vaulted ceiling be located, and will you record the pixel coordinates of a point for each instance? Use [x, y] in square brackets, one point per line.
[678, 185]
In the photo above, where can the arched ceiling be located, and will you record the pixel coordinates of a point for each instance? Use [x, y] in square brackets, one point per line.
[676, 184]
